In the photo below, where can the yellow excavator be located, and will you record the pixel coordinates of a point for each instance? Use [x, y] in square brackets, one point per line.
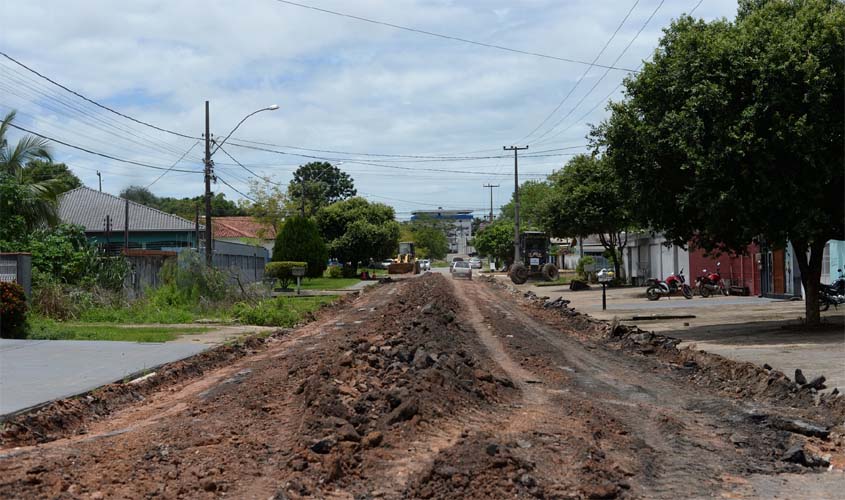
[405, 262]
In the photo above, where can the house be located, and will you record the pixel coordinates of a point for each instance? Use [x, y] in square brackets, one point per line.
[244, 229]
[104, 216]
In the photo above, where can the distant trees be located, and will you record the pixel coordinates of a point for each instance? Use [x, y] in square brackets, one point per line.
[299, 240]
[183, 207]
[318, 184]
[357, 230]
[734, 132]
[428, 235]
[586, 197]
[496, 239]
[532, 194]
[269, 203]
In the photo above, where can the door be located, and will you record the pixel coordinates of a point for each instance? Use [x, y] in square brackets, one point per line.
[778, 272]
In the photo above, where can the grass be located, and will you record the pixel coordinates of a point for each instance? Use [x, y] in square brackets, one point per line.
[280, 311]
[144, 311]
[326, 283]
[48, 329]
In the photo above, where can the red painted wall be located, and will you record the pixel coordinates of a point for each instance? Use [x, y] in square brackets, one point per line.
[741, 270]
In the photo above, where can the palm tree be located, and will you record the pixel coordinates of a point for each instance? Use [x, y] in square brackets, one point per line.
[39, 206]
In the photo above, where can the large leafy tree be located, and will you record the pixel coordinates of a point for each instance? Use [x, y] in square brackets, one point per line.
[428, 235]
[496, 240]
[36, 203]
[734, 132]
[299, 240]
[40, 170]
[357, 230]
[532, 195]
[318, 184]
[588, 198]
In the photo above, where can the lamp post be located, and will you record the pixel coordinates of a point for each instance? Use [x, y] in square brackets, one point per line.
[209, 174]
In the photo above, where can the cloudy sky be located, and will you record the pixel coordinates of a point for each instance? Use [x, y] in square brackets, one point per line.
[370, 96]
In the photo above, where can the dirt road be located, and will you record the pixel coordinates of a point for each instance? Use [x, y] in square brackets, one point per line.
[430, 388]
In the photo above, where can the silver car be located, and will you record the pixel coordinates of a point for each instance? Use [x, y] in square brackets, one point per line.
[475, 263]
[425, 265]
[461, 269]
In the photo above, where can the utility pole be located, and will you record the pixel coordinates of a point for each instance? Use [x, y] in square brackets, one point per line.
[517, 257]
[126, 226]
[302, 198]
[491, 186]
[208, 233]
[100, 178]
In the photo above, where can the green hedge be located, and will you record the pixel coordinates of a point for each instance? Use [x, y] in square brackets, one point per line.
[282, 271]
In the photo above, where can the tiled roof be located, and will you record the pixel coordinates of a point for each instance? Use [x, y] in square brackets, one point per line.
[241, 227]
[88, 208]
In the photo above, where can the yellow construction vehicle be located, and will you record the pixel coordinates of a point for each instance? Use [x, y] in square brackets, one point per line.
[405, 262]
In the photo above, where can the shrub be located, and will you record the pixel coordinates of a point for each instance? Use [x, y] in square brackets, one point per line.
[283, 271]
[187, 280]
[582, 262]
[335, 272]
[13, 310]
[300, 240]
[281, 311]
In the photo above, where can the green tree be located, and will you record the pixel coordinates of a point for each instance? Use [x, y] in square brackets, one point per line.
[734, 132]
[270, 202]
[358, 230]
[40, 170]
[532, 194]
[587, 198]
[428, 235]
[496, 239]
[140, 194]
[322, 184]
[299, 240]
[37, 203]
[183, 207]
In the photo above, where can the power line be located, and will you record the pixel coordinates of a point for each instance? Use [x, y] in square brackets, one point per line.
[583, 75]
[174, 164]
[7, 56]
[637, 35]
[235, 189]
[131, 162]
[446, 37]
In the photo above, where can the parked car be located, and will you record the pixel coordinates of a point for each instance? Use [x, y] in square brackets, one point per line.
[454, 260]
[475, 263]
[425, 265]
[383, 264]
[461, 269]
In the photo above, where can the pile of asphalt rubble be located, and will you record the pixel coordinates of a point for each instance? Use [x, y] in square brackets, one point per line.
[392, 377]
[738, 379]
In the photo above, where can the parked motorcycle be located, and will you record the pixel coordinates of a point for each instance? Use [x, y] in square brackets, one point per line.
[710, 283]
[832, 294]
[674, 284]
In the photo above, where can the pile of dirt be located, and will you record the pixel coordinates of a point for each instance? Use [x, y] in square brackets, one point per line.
[387, 385]
[72, 415]
[733, 378]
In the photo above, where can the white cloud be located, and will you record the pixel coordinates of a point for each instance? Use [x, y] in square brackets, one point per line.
[341, 84]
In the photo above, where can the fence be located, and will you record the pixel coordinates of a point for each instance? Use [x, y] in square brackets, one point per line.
[146, 267]
[17, 268]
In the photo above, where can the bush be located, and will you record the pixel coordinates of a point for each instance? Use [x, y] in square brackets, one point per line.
[300, 240]
[283, 271]
[281, 311]
[187, 280]
[582, 262]
[335, 272]
[13, 310]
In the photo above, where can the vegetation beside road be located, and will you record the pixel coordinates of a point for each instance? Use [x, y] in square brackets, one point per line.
[48, 329]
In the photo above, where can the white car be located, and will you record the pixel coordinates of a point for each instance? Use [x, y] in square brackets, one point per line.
[475, 263]
[425, 265]
[461, 269]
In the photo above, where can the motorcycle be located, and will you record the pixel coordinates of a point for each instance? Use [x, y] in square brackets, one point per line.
[710, 283]
[832, 294]
[674, 283]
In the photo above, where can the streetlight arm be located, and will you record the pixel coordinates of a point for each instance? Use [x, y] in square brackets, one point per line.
[268, 108]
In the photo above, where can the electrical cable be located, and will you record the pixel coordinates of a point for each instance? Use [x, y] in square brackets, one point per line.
[447, 37]
[583, 75]
[131, 162]
[7, 56]
[174, 164]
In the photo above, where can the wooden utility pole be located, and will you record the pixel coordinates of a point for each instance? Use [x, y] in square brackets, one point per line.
[517, 255]
[491, 186]
[208, 173]
[126, 226]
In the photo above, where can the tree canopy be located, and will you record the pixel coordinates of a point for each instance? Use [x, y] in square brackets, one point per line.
[269, 203]
[428, 235]
[40, 170]
[734, 132]
[183, 207]
[299, 240]
[587, 198]
[531, 197]
[496, 239]
[357, 230]
[322, 184]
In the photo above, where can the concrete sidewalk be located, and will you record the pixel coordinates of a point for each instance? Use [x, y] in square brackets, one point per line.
[33, 372]
[753, 329]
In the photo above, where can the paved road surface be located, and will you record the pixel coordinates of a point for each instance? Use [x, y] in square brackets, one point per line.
[37, 371]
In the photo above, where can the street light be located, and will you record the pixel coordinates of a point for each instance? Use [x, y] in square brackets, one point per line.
[208, 153]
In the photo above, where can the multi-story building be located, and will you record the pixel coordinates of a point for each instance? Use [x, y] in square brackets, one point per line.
[459, 229]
